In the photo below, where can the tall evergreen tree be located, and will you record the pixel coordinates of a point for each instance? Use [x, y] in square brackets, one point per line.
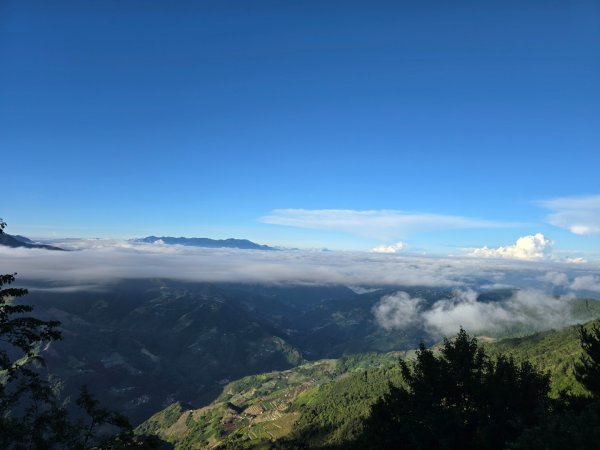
[460, 399]
[587, 370]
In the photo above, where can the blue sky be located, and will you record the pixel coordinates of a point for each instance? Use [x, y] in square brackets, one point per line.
[128, 118]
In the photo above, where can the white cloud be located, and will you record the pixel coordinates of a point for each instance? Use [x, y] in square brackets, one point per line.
[579, 215]
[531, 308]
[586, 283]
[105, 261]
[462, 310]
[102, 262]
[532, 247]
[555, 278]
[393, 248]
[383, 224]
[497, 286]
[397, 311]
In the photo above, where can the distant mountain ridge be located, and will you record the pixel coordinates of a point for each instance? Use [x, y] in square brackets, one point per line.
[206, 242]
[21, 241]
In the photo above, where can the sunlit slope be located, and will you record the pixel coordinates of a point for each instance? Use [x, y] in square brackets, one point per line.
[553, 351]
[323, 403]
[261, 408]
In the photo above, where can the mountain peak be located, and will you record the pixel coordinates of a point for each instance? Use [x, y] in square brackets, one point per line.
[21, 241]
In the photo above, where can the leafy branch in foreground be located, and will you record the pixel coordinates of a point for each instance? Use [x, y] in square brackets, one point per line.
[28, 407]
[31, 415]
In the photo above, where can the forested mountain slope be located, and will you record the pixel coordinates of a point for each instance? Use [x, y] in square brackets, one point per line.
[324, 403]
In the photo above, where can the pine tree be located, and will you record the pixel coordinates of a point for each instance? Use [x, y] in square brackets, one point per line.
[587, 370]
[460, 399]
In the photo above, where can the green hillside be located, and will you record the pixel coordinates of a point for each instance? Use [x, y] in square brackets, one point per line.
[261, 408]
[323, 403]
[332, 414]
[553, 351]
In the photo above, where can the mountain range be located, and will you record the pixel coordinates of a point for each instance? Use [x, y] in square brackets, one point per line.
[141, 345]
[21, 241]
[205, 242]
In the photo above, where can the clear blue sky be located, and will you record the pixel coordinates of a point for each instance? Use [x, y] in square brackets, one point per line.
[126, 118]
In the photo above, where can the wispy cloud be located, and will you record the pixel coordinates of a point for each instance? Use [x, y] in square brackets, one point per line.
[579, 215]
[533, 247]
[381, 224]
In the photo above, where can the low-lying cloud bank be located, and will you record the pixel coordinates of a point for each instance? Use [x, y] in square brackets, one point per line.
[98, 262]
[530, 308]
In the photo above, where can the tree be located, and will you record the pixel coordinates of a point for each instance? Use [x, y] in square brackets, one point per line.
[460, 399]
[574, 421]
[31, 415]
[28, 407]
[587, 370]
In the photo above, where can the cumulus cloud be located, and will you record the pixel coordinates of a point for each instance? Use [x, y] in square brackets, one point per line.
[533, 247]
[393, 248]
[586, 283]
[579, 215]
[397, 311]
[531, 308]
[384, 224]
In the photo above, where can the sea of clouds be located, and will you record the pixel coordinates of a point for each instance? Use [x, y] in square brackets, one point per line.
[543, 289]
[103, 261]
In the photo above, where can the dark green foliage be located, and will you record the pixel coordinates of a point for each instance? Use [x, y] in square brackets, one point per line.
[334, 413]
[576, 428]
[553, 351]
[587, 370]
[575, 421]
[460, 400]
[97, 417]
